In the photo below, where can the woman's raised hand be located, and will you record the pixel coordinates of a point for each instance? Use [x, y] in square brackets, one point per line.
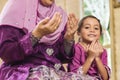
[72, 26]
[47, 26]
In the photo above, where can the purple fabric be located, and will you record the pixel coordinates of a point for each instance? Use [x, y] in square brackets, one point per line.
[19, 55]
[46, 73]
[28, 13]
[80, 57]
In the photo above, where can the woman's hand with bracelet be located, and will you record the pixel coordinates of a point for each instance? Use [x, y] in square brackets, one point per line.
[72, 26]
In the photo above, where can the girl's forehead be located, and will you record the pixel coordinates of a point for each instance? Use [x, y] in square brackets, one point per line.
[90, 21]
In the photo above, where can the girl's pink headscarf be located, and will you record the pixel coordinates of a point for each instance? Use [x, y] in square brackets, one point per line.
[27, 13]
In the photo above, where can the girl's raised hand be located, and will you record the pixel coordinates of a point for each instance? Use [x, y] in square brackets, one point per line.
[95, 49]
[92, 50]
[99, 48]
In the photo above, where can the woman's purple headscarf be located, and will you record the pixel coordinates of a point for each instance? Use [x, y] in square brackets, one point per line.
[27, 13]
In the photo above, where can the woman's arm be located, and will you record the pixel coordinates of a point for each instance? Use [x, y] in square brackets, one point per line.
[14, 44]
[68, 47]
[68, 41]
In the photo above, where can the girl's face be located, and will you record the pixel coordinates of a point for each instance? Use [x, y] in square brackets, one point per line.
[47, 2]
[90, 30]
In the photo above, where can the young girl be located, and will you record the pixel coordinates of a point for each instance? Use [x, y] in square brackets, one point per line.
[90, 57]
[36, 37]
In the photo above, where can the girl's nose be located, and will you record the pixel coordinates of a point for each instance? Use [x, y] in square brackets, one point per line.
[92, 30]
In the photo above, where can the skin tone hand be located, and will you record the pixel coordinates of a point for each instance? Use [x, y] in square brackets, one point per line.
[47, 26]
[99, 49]
[72, 26]
[95, 49]
[90, 49]
[101, 67]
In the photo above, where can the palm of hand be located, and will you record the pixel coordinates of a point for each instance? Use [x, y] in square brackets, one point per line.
[47, 26]
[95, 49]
[72, 26]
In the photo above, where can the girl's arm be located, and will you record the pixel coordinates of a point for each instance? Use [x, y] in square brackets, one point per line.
[102, 64]
[91, 53]
[87, 65]
[78, 65]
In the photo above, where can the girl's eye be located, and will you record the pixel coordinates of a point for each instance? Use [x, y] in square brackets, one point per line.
[96, 28]
[86, 27]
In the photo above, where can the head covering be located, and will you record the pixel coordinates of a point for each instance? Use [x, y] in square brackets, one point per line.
[27, 13]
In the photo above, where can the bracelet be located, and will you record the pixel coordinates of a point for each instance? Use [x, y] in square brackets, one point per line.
[70, 42]
[34, 39]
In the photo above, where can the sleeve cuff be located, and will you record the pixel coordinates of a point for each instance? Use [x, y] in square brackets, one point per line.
[27, 44]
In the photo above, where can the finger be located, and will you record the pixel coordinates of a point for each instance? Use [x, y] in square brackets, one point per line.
[58, 21]
[73, 19]
[92, 44]
[54, 19]
[68, 25]
[87, 48]
[69, 22]
[100, 46]
[96, 46]
[99, 43]
[44, 21]
[73, 22]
